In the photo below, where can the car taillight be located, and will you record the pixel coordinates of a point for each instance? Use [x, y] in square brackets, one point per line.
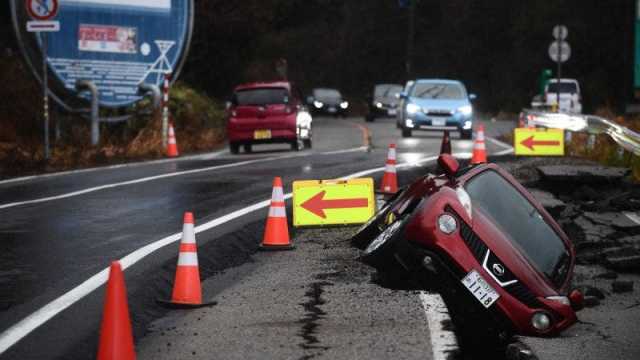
[288, 110]
[234, 113]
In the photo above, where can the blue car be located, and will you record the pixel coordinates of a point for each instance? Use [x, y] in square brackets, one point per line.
[436, 105]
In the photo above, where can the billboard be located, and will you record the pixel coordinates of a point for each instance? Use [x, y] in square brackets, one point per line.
[116, 44]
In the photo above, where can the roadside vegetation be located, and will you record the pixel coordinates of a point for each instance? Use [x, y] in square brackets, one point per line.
[198, 120]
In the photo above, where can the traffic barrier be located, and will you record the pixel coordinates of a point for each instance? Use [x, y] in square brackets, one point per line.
[445, 147]
[389, 183]
[479, 155]
[116, 339]
[187, 291]
[172, 145]
[276, 232]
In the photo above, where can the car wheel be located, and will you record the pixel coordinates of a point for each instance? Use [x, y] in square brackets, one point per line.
[406, 132]
[297, 145]
[379, 252]
[307, 143]
[247, 148]
[369, 118]
[466, 134]
[234, 148]
[372, 228]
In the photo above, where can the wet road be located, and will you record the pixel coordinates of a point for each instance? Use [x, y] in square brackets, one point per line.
[58, 231]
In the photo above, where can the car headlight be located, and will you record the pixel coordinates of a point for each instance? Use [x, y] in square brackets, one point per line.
[541, 321]
[467, 125]
[408, 123]
[412, 108]
[379, 105]
[303, 119]
[447, 223]
[317, 104]
[344, 104]
[465, 110]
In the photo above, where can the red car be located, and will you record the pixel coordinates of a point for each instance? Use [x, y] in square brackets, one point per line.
[269, 112]
[488, 245]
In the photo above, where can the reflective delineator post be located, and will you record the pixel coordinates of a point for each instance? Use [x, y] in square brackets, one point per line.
[165, 108]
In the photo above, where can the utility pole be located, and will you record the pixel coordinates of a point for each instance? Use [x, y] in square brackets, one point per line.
[410, 37]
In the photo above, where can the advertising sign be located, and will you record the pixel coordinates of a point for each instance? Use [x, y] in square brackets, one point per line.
[116, 44]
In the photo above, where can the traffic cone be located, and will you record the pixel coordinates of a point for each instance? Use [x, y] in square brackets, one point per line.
[187, 292]
[116, 339]
[479, 149]
[172, 146]
[389, 183]
[276, 233]
[445, 148]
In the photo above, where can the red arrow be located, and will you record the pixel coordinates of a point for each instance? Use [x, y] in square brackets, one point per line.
[317, 204]
[530, 143]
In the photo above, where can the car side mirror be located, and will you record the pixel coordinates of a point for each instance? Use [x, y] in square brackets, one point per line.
[472, 96]
[449, 164]
[577, 300]
[402, 95]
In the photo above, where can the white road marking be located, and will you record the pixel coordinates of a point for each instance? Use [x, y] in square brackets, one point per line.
[21, 329]
[156, 177]
[632, 216]
[443, 341]
[500, 143]
[25, 326]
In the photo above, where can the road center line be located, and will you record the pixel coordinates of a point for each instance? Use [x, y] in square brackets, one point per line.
[632, 216]
[156, 177]
[443, 341]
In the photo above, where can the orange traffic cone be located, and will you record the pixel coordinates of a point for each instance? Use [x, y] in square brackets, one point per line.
[521, 120]
[479, 149]
[276, 233]
[389, 183]
[116, 339]
[445, 148]
[186, 285]
[172, 145]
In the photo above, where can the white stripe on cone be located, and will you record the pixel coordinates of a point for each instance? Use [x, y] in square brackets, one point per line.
[277, 211]
[188, 259]
[277, 194]
[390, 168]
[392, 154]
[188, 234]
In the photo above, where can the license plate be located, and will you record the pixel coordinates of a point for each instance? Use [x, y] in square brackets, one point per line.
[262, 134]
[392, 112]
[438, 122]
[332, 109]
[479, 288]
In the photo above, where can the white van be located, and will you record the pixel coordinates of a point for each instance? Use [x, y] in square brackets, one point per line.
[570, 98]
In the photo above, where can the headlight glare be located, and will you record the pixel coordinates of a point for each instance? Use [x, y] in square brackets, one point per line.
[379, 105]
[465, 110]
[344, 104]
[412, 108]
[317, 104]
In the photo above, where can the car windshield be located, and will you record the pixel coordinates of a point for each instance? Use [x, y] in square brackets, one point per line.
[386, 91]
[565, 87]
[519, 220]
[327, 94]
[438, 91]
[261, 96]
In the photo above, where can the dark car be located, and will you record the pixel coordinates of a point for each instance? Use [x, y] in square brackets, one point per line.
[485, 242]
[384, 101]
[328, 101]
[269, 112]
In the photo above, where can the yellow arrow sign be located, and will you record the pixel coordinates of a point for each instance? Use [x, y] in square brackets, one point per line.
[332, 202]
[538, 142]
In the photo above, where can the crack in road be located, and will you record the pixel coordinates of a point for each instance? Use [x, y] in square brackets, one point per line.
[310, 322]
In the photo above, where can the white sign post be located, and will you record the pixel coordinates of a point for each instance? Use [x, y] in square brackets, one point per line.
[42, 11]
[559, 51]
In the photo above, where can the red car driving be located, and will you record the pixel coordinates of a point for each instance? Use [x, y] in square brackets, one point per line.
[267, 112]
[486, 243]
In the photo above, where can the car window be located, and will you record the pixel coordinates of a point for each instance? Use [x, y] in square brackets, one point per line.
[327, 94]
[520, 221]
[386, 91]
[261, 96]
[438, 91]
[565, 87]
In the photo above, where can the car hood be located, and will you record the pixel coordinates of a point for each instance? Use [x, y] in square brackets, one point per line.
[445, 104]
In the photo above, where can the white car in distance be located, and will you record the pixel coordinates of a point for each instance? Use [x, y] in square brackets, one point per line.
[570, 97]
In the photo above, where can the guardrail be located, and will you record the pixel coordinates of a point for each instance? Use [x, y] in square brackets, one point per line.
[592, 124]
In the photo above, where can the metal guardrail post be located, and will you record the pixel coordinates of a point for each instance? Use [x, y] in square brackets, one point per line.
[82, 85]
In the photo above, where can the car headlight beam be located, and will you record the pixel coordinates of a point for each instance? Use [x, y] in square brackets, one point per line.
[412, 108]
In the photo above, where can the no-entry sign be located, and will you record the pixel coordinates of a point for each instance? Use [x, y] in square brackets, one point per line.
[332, 202]
[538, 142]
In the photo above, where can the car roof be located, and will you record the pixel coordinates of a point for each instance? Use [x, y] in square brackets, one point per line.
[269, 84]
[439, 81]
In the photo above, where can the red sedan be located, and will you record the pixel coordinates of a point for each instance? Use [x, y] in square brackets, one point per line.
[265, 113]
